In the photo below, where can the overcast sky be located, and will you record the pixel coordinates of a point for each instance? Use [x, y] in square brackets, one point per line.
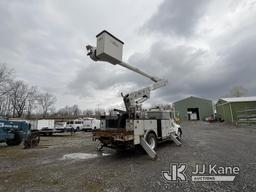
[203, 48]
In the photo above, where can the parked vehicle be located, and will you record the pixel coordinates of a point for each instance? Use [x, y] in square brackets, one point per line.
[90, 124]
[60, 126]
[76, 124]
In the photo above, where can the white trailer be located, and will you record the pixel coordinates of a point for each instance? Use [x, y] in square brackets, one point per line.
[133, 126]
[33, 124]
[45, 124]
[41, 124]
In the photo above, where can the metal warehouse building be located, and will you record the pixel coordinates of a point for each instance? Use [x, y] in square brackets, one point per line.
[194, 108]
[229, 109]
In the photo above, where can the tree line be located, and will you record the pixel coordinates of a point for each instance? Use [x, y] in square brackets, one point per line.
[19, 99]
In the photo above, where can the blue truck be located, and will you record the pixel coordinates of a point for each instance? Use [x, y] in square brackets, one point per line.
[16, 132]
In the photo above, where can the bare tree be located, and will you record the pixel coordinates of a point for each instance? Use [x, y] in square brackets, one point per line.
[46, 102]
[16, 97]
[75, 110]
[100, 111]
[52, 110]
[19, 94]
[63, 111]
[88, 112]
[6, 76]
[70, 111]
[238, 91]
[32, 97]
[5, 79]
[5, 105]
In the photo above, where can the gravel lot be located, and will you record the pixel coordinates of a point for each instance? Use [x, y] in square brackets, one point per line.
[71, 163]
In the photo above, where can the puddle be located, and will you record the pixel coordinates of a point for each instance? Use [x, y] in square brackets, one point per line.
[82, 156]
[105, 154]
[78, 156]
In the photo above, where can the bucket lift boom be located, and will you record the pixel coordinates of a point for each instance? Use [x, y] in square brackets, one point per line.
[136, 98]
[109, 49]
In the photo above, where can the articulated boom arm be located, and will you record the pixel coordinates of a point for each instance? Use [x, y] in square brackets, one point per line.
[138, 97]
[131, 100]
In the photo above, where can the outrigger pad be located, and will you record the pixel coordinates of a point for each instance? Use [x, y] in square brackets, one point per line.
[173, 137]
[151, 152]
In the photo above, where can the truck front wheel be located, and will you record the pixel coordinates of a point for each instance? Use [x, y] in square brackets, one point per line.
[152, 140]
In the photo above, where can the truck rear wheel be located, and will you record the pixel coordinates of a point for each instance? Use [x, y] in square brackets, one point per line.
[15, 141]
[152, 140]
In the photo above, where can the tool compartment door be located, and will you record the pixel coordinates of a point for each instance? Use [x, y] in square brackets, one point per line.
[165, 128]
[138, 130]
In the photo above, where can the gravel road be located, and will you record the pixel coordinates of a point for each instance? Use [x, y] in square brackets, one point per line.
[71, 163]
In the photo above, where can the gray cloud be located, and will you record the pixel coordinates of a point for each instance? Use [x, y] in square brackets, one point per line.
[43, 41]
[177, 64]
[177, 17]
[235, 67]
[187, 69]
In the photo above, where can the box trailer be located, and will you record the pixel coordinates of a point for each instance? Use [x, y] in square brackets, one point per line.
[46, 126]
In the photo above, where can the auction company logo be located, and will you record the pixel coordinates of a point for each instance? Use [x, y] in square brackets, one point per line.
[202, 172]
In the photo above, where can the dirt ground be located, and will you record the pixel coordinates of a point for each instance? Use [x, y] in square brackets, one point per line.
[71, 163]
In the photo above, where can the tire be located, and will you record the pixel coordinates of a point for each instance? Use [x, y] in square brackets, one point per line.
[152, 140]
[15, 141]
[32, 140]
[178, 137]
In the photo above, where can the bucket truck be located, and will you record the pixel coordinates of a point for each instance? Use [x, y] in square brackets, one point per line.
[134, 126]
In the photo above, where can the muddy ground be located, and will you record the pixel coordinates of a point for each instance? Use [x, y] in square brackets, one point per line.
[71, 163]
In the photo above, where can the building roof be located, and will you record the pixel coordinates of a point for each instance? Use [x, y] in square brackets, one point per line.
[239, 99]
[191, 97]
